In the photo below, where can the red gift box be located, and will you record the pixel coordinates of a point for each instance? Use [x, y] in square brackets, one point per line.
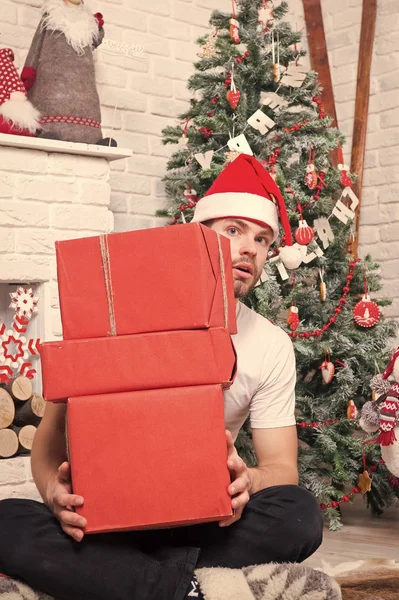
[149, 459]
[137, 362]
[161, 279]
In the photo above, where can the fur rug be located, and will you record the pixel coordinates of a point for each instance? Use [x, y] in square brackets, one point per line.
[376, 579]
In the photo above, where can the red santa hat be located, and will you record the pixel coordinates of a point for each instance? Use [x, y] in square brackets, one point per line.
[244, 189]
[17, 114]
[389, 370]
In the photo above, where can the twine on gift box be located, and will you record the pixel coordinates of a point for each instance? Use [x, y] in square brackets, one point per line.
[223, 275]
[108, 282]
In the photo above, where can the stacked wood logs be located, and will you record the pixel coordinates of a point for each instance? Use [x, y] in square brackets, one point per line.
[20, 413]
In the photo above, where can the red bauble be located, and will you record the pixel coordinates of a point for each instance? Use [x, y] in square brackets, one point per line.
[304, 234]
[366, 313]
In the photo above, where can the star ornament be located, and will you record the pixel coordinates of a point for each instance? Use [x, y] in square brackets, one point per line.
[364, 482]
[24, 302]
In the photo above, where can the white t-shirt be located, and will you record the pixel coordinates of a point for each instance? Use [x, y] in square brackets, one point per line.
[264, 387]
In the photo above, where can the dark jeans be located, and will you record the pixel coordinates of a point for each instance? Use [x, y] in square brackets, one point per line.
[279, 524]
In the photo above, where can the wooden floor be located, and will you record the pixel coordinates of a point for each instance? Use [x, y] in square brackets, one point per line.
[362, 536]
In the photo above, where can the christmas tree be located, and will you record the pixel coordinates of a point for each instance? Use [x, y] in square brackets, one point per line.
[251, 95]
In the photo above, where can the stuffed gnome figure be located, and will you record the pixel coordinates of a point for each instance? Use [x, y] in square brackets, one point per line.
[59, 71]
[383, 414]
[17, 114]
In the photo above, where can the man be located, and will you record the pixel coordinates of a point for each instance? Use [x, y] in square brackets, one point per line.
[275, 520]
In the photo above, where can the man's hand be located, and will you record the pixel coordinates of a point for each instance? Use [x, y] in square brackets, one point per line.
[62, 502]
[240, 484]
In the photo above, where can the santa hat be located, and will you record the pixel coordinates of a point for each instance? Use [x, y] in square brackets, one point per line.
[388, 371]
[244, 189]
[17, 114]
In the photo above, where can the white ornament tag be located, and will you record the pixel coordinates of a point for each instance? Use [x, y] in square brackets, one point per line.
[323, 229]
[263, 278]
[204, 159]
[343, 212]
[261, 122]
[240, 144]
[310, 252]
[277, 262]
[295, 75]
[273, 101]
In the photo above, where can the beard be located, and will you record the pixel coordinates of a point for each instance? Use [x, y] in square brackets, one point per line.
[242, 287]
[75, 21]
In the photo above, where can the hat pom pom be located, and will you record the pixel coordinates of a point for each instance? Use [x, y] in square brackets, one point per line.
[290, 256]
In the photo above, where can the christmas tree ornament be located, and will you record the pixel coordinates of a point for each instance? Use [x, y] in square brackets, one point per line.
[234, 25]
[343, 211]
[59, 72]
[327, 369]
[261, 122]
[366, 312]
[233, 95]
[191, 196]
[208, 50]
[273, 101]
[266, 13]
[204, 159]
[276, 56]
[364, 482]
[311, 173]
[323, 229]
[303, 234]
[351, 411]
[295, 75]
[17, 114]
[293, 318]
[323, 287]
[240, 144]
[184, 136]
[345, 179]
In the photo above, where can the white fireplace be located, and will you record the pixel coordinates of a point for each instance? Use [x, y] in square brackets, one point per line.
[49, 190]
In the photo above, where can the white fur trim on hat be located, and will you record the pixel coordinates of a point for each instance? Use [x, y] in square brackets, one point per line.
[240, 205]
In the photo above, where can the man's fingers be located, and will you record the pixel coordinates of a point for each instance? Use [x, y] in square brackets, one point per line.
[239, 485]
[69, 500]
[231, 520]
[239, 502]
[236, 464]
[68, 517]
[76, 534]
[64, 473]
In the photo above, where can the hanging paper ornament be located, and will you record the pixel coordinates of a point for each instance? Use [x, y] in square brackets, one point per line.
[233, 95]
[209, 48]
[234, 25]
[24, 302]
[293, 318]
[303, 234]
[265, 13]
[366, 312]
[345, 179]
[327, 370]
[351, 412]
[311, 173]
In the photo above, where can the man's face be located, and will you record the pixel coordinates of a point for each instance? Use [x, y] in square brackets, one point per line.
[249, 246]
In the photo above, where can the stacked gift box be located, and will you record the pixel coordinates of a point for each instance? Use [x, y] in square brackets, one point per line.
[147, 318]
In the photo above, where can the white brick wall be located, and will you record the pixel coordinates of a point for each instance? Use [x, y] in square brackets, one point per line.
[148, 96]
